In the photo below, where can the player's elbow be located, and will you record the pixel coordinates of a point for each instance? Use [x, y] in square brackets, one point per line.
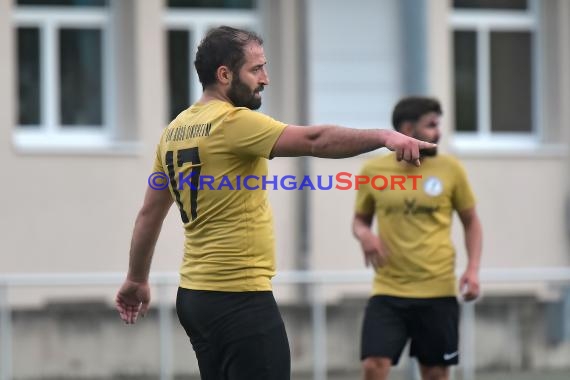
[355, 229]
[153, 213]
[315, 142]
[469, 217]
[324, 143]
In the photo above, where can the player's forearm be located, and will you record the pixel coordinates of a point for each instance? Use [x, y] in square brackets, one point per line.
[338, 142]
[144, 239]
[473, 243]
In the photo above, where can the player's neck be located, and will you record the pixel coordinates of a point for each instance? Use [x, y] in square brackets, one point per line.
[213, 93]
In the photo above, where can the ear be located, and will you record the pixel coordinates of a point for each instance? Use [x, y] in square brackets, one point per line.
[407, 128]
[224, 75]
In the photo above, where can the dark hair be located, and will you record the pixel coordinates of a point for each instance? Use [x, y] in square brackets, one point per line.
[222, 46]
[412, 108]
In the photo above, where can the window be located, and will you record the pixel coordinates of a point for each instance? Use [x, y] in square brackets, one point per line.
[494, 63]
[180, 73]
[61, 71]
[225, 4]
[491, 4]
[187, 22]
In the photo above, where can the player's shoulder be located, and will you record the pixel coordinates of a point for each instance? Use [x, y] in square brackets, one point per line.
[243, 113]
[251, 121]
[449, 159]
[450, 162]
[202, 113]
[180, 118]
[238, 114]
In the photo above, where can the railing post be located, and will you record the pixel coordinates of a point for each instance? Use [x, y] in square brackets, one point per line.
[5, 334]
[165, 333]
[319, 316]
[468, 340]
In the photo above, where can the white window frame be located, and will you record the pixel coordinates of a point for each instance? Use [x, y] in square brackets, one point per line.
[483, 22]
[197, 22]
[50, 133]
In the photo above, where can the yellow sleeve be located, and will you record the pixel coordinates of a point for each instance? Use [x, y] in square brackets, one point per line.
[364, 199]
[157, 166]
[463, 197]
[251, 133]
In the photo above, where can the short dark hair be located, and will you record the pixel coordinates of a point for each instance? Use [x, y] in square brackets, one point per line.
[222, 46]
[412, 108]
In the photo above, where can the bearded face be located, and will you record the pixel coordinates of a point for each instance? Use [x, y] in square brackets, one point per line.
[241, 95]
[427, 129]
[428, 152]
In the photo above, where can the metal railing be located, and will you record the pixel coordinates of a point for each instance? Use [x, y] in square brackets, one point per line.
[317, 279]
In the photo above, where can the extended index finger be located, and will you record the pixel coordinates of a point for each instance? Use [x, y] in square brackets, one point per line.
[426, 145]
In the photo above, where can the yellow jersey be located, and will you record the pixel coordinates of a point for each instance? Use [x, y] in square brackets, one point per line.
[415, 223]
[229, 239]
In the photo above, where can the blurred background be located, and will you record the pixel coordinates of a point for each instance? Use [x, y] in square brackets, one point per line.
[86, 87]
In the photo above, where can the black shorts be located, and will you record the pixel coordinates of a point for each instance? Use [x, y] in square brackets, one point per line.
[432, 324]
[235, 335]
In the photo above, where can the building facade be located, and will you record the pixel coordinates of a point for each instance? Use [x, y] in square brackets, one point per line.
[87, 86]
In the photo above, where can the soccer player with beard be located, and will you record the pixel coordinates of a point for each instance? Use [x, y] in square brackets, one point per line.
[414, 289]
[225, 301]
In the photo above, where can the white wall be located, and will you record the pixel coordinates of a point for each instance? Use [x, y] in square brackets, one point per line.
[354, 61]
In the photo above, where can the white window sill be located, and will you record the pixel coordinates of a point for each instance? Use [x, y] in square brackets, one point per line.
[506, 146]
[73, 143]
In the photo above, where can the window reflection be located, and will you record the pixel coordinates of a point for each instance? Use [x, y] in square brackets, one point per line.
[465, 81]
[80, 64]
[231, 4]
[491, 4]
[28, 66]
[511, 103]
[179, 68]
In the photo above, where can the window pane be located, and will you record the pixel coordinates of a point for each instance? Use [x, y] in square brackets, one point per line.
[511, 103]
[491, 4]
[75, 3]
[465, 66]
[178, 71]
[28, 43]
[80, 73]
[232, 4]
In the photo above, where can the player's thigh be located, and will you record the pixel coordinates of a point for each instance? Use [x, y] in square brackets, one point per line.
[209, 362]
[435, 332]
[384, 329]
[227, 327]
[262, 356]
[193, 308]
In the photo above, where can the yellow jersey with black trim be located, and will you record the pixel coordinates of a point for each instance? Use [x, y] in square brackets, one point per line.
[207, 151]
[415, 223]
